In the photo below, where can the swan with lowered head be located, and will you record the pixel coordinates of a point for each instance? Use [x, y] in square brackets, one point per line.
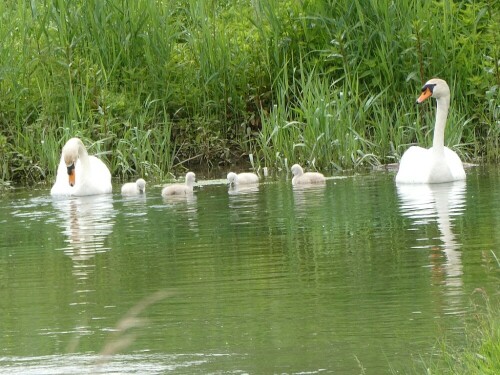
[79, 174]
[438, 163]
[180, 189]
[242, 178]
[301, 178]
[134, 188]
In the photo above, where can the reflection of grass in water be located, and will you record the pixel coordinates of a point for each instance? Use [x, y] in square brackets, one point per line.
[496, 258]
[479, 353]
[124, 333]
[362, 369]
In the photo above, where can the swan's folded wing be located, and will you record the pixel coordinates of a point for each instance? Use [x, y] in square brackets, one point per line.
[455, 164]
[413, 167]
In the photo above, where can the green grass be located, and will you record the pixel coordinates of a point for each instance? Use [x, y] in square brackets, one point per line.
[478, 352]
[156, 86]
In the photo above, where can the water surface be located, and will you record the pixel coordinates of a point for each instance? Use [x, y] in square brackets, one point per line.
[357, 276]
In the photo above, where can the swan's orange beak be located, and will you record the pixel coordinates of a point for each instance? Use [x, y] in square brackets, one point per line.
[426, 93]
[71, 174]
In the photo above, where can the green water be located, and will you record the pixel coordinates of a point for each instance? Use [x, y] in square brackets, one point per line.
[357, 277]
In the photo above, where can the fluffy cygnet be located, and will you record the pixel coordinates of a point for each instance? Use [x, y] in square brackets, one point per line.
[242, 178]
[180, 189]
[301, 178]
[134, 188]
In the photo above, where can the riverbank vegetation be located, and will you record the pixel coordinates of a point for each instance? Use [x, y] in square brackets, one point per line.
[478, 353]
[153, 86]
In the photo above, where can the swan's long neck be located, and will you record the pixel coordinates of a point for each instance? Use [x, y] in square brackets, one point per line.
[443, 104]
[84, 158]
[190, 179]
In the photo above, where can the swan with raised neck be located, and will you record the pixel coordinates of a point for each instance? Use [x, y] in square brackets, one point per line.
[437, 164]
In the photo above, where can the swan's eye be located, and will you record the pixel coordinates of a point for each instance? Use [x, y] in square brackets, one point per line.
[71, 168]
[429, 86]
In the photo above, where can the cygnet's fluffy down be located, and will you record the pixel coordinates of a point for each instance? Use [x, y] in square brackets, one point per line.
[180, 189]
[134, 188]
[301, 178]
[242, 178]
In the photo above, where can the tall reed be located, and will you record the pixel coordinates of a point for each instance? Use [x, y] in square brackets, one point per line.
[330, 83]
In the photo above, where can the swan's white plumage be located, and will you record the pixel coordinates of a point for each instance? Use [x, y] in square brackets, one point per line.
[242, 178]
[180, 189]
[301, 178]
[91, 175]
[134, 188]
[437, 164]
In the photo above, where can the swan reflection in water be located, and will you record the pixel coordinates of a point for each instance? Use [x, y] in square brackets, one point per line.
[243, 189]
[309, 196]
[429, 203]
[86, 222]
[185, 207]
[243, 204]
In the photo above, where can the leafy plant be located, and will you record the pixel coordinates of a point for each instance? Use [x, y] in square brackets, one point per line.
[159, 85]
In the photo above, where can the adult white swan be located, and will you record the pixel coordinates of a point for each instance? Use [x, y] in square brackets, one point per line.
[437, 164]
[79, 174]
